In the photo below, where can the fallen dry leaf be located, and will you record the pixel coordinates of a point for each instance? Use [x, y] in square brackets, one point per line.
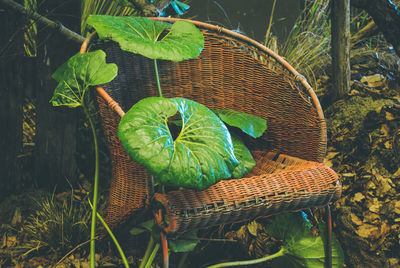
[11, 241]
[375, 206]
[356, 220]
[371, 217]
[366, 230]
[253, 227]
[385, 129]
[388, 145]
[389, 116]
[241, 234]
[358, 197]
[397, 207]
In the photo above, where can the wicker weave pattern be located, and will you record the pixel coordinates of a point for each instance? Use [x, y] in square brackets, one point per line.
[129, 189]
[232, 72]
[289, 188]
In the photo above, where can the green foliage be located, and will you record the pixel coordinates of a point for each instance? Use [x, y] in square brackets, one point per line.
[105, 7]
[307, 48]
[57, 226]
[199, 157]
[77, 74]
[125, 3]
[301, 248]
[186, 242]
[31, 32]
[248, 123]
[246, 161]
[141, 36]
[147, 226]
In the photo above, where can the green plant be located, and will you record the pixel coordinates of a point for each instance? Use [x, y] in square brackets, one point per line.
[186, 242]
[74, 77]
[104, 7]
[307, 47]
[56, 226]
[202, 152]
[300, 247]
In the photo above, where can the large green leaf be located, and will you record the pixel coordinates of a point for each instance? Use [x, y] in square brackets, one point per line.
[185, 243]
[301, 247]
[249, 124]
[244, 156]
[199, 157]
[148, 226]
[141, 36]
[77, 74]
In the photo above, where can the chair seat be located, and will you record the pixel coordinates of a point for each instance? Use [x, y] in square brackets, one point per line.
[277, 184]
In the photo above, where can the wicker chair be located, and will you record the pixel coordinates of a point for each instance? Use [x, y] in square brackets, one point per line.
[232, 72]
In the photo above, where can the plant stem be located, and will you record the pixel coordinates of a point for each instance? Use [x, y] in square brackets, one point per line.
[158, 78]
[152, 256]
[250, 262]
[95, 190]
[121, 252]
[164, 244]
[183, 259]
[147, 253]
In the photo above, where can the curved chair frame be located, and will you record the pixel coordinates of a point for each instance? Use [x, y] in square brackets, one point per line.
[232, 72]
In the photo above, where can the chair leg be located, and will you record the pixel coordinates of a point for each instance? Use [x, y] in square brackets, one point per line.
[328, 249]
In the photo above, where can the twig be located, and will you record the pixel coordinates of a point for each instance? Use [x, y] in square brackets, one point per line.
[70, 35]
[72, 251]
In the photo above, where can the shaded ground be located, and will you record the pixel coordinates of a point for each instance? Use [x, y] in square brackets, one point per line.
[364, 150]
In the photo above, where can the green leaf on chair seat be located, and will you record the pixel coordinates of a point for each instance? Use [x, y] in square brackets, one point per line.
[141, 36]
[244, 156]
[200, 156]
[249, 124]
[77, 74]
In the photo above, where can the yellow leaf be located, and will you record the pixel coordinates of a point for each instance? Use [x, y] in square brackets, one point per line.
[385, 130]
[253, 228]
[366, 230]
[389, 116]
[356, 220]
[388, 145]
[358, 197]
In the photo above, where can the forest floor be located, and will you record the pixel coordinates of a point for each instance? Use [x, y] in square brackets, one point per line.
[363, 148]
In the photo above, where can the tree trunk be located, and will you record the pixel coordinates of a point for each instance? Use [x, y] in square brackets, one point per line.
[55, 150]
[340, 48]
[11, 98]
[386, 16]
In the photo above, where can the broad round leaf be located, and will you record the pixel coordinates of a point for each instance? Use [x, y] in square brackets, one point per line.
[249, 124]
[185, 243]
[301, 247]
[141, 36]
[199, 157]
[78, 73]
[244, 156]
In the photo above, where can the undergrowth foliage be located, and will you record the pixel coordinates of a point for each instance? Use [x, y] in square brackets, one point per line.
[57, 226]
[307, 48]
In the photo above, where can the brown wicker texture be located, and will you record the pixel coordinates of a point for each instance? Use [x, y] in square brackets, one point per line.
[232, 72]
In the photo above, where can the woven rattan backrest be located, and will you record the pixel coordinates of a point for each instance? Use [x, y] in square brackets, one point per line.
[232, 72]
